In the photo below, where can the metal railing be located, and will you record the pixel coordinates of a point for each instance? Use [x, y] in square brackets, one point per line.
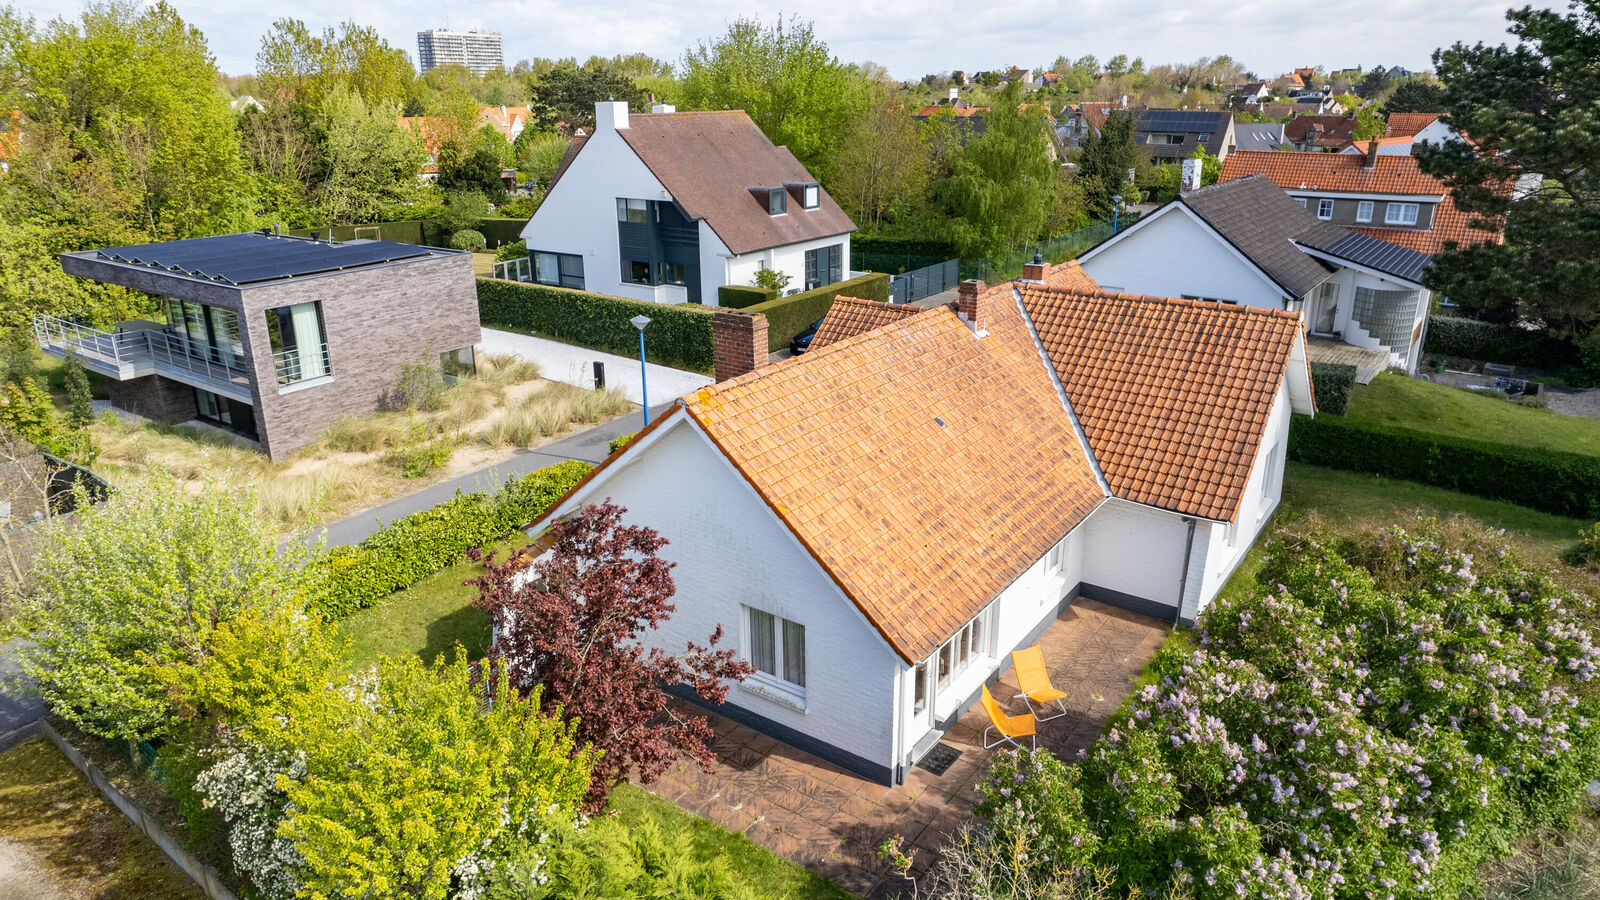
[518, 269]
[291, 364]
[132, 354]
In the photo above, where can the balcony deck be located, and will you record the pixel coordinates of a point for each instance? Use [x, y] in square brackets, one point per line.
[139, 348]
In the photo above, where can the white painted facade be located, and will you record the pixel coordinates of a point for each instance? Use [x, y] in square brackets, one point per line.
[579, 216]
[1173, 253]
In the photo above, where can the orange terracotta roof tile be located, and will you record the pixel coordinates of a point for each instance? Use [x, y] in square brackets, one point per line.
[1348, 173]
[849, 316]
[1407, 124]
[1071, 276]
[923, 467]
[1173, 395]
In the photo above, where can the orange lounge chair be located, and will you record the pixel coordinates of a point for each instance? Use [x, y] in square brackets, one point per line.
[1035, 681]
[1010, 727]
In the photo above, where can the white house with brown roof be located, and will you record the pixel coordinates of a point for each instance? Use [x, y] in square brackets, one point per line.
[670, 206]
[879, 522]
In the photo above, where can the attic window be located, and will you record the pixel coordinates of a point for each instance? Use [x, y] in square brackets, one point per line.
[777, 202]
[813, 196]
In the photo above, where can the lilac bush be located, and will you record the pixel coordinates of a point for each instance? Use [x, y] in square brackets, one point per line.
[1379, 717]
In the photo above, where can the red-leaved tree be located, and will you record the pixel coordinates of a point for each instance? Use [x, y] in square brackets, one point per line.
[572, 622]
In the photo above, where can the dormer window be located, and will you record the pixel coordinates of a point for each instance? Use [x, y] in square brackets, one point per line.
[777, 202]
[813, 195]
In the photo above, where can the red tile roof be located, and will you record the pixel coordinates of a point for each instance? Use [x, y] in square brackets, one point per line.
[849, 316]
[1406, 124]
[1329, 131]
[1173, 395]
[924, 468]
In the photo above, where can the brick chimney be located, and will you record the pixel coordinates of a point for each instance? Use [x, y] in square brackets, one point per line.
[738, 343]
[1035, 270]
[974, 306]
[1372, 154]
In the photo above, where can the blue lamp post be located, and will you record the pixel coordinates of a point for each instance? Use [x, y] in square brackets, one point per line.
[1116, 207]
[640, 322]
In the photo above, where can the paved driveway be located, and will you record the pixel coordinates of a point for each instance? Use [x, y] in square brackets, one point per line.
[19, 706]
[575, 365]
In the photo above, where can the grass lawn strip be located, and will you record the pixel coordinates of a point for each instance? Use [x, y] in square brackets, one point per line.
[53, 817]
[1402, 402]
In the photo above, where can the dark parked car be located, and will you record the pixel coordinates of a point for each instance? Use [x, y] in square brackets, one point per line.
[802, 341]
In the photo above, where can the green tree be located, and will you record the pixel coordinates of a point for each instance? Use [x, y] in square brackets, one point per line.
[1001, 187]
[786, 79]
[1415, 96]
[306, 67]
[477, 171]
[1103, 166]
[1369, 124]
[1117, 66]
[568, 92]
[880, 171]
[80, 399]
[365, 162]
[1530, 110]
[539, 155]
[1373, 83]
[462, 210]
[140, 583]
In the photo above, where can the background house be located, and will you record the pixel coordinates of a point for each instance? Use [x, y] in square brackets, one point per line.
[1171, 135]
[270, 336]
[670, 206]
[1324, 133]
[888, 592]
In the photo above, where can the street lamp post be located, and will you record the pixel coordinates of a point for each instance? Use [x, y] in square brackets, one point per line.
[640, 322]
[1116, 207]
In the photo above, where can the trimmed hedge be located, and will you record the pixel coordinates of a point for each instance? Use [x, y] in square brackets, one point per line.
[411, 231]
[788, 316]
[866, 243]
[739, 296]
[500, 231]
[1486, 341]
[678, 336]
[892, 263]
[408, 550]
[1567, 484]
[1332, 384]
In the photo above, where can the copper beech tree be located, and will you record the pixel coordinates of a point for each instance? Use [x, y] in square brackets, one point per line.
[573, 624]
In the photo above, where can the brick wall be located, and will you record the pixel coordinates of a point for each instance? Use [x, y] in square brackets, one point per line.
[153, 397]
[738, 343]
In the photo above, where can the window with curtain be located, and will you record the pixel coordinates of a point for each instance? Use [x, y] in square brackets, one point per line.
[777, 647]
[299, 347]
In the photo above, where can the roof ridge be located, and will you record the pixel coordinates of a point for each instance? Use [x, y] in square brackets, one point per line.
[1225, 308]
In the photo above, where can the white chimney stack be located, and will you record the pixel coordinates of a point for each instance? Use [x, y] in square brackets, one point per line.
[663, 108]
[610, 115]
[954, 92]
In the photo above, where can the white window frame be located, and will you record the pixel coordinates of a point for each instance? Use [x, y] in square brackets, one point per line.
[978, 633]
[1274, 478]
[1325, 209]
[1401, 213]
[1364, 211]
[1301, 201]
[1055, 559]
[772, 684]
[812, 196]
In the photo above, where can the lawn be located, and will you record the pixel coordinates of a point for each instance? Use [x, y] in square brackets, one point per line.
[57, 832]
[765, 874]
[1441, 409]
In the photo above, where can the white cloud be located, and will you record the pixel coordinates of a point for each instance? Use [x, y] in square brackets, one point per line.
[910, 38]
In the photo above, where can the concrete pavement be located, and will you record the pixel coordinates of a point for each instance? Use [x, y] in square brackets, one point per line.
[19, 705]
[575, 365]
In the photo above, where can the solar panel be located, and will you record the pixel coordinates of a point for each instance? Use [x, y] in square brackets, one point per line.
[1378, 254]
[1178, 120]
[254, 257]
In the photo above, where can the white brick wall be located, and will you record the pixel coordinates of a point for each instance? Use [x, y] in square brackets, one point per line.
[1173, 254]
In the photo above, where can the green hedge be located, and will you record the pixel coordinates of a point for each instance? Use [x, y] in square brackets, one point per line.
[892, 263]
[678, 336]
[739, 296]
[413, 231]
[788, 316]
[1567, 484]
[866, 243]
[1332, 384]
[500, 231]
[1472, 339]
[408, 550]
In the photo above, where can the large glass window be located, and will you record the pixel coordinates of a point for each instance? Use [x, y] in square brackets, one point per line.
[558, 269]
[229, 346]
[777, 647]
[633, 210]
[1400, 214]
[299, 346]
[824, 265]
[638, 272]
[458, 365]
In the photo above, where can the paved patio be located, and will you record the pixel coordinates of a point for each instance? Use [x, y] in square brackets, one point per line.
[1369, 363]
[831, 822]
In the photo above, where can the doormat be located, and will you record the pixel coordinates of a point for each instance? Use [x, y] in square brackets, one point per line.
[939, 759]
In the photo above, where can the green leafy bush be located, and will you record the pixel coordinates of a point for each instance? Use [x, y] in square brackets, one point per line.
[1567, 484]
[1383, 711]
[939, 251]
[1332, 384]
[1586, 552]
[788, 316]
[1488, 342]
[410, 549]
[739, 296]
[513, 250]
[772, 280]
[468, 239]
[416, 457]
[678, 336]
[618, 441]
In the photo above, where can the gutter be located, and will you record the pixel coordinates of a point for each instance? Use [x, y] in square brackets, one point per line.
[1188, 551]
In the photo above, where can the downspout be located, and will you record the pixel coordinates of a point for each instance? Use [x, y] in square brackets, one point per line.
[1188, 551]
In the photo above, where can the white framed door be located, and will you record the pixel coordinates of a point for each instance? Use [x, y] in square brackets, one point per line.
[1323, 310]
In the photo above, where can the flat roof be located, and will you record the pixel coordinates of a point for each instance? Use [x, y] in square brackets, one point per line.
[256, 257]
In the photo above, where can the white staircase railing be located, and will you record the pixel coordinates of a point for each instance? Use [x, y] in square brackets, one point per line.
[132, 354]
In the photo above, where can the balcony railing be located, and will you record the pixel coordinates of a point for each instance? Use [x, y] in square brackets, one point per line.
[136, 353]
[298, 364]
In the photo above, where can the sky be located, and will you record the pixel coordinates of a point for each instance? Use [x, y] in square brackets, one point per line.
[910, 39]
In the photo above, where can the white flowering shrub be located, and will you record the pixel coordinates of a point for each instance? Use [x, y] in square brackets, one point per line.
[1383, 715]
[242, 786]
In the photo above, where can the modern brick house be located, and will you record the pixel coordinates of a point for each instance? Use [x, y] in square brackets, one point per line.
[270, 336]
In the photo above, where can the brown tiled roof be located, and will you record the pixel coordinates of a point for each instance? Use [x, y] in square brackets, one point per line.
[1173, 395]
[1071, 276]
[1348, 173]
[1407, 124]
[849, 316]
[709, 161]
[924, 468]
[1335, 130]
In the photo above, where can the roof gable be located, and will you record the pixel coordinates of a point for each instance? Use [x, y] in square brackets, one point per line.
[709, 161]
[1259, 220]
[879, 452]
[1173, 395]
